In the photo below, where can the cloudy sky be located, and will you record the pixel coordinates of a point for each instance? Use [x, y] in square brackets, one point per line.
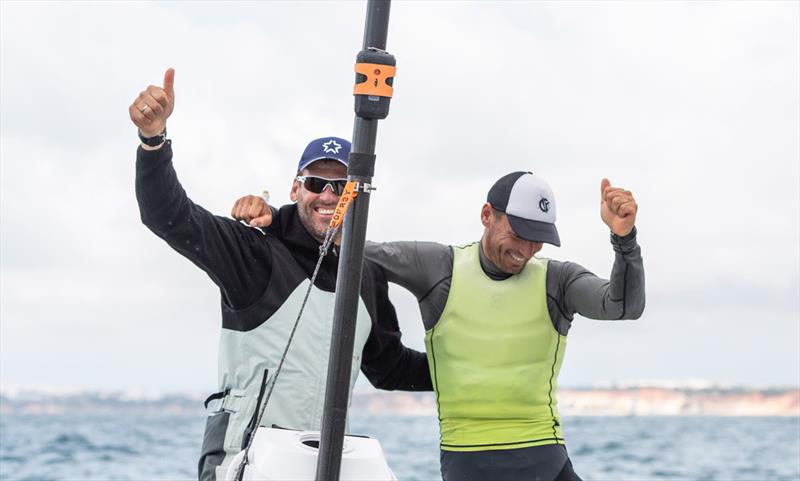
[693, 106]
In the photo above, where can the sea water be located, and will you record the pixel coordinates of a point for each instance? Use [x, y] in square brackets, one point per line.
[165, 447]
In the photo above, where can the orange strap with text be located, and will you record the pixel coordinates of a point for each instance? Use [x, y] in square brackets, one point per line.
[347, 196]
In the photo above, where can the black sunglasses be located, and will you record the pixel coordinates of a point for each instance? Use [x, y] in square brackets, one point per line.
[317, 184]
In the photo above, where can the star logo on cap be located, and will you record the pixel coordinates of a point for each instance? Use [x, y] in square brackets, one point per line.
[331, 147]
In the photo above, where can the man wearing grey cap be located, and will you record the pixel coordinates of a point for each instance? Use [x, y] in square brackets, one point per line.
[263, 277]
[496, 320]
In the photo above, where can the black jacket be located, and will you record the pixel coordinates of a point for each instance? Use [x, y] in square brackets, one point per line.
[256, 270]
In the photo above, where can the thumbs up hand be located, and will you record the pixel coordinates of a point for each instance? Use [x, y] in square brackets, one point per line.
[153, 106]
[617, 208]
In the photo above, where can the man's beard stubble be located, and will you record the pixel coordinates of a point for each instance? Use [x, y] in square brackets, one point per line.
[316, 231]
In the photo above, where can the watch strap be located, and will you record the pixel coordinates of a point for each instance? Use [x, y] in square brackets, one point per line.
[154, 141]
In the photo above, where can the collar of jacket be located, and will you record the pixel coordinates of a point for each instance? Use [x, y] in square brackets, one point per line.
[287, 227]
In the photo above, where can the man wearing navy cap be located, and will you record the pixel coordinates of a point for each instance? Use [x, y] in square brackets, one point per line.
[262, 277]
[322, 172]
[496, 318]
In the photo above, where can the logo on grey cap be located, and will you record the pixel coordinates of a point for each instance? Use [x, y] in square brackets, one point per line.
[544, 205]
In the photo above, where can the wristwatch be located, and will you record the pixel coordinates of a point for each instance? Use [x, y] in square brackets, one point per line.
[154, 141]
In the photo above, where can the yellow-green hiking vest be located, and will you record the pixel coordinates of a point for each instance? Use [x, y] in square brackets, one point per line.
[494, 357]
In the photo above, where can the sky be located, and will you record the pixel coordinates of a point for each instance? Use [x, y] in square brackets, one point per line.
[693, 106]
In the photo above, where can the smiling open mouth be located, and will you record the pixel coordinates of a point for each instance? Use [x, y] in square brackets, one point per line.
[516, 257]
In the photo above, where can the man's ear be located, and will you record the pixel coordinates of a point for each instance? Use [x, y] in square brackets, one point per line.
[293, 192]
[486, 214]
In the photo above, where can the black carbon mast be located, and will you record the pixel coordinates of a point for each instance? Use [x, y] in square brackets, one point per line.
[374, 77]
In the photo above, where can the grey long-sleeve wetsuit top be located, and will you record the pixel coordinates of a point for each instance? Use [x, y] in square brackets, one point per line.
[426, 268]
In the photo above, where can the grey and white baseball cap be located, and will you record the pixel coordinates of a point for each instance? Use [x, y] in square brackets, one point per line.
[530, 205]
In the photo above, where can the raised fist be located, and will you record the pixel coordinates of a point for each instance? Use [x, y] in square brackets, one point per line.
[617, 208]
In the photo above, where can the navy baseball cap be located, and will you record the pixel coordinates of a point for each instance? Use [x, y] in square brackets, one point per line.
[529, 204]
[333, 148]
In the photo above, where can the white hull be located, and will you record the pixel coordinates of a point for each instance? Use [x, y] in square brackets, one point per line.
[282, 454]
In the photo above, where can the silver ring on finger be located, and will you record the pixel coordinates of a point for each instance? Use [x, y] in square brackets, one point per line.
[144, 108]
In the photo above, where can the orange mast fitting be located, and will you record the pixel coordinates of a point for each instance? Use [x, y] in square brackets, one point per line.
[377, 81]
